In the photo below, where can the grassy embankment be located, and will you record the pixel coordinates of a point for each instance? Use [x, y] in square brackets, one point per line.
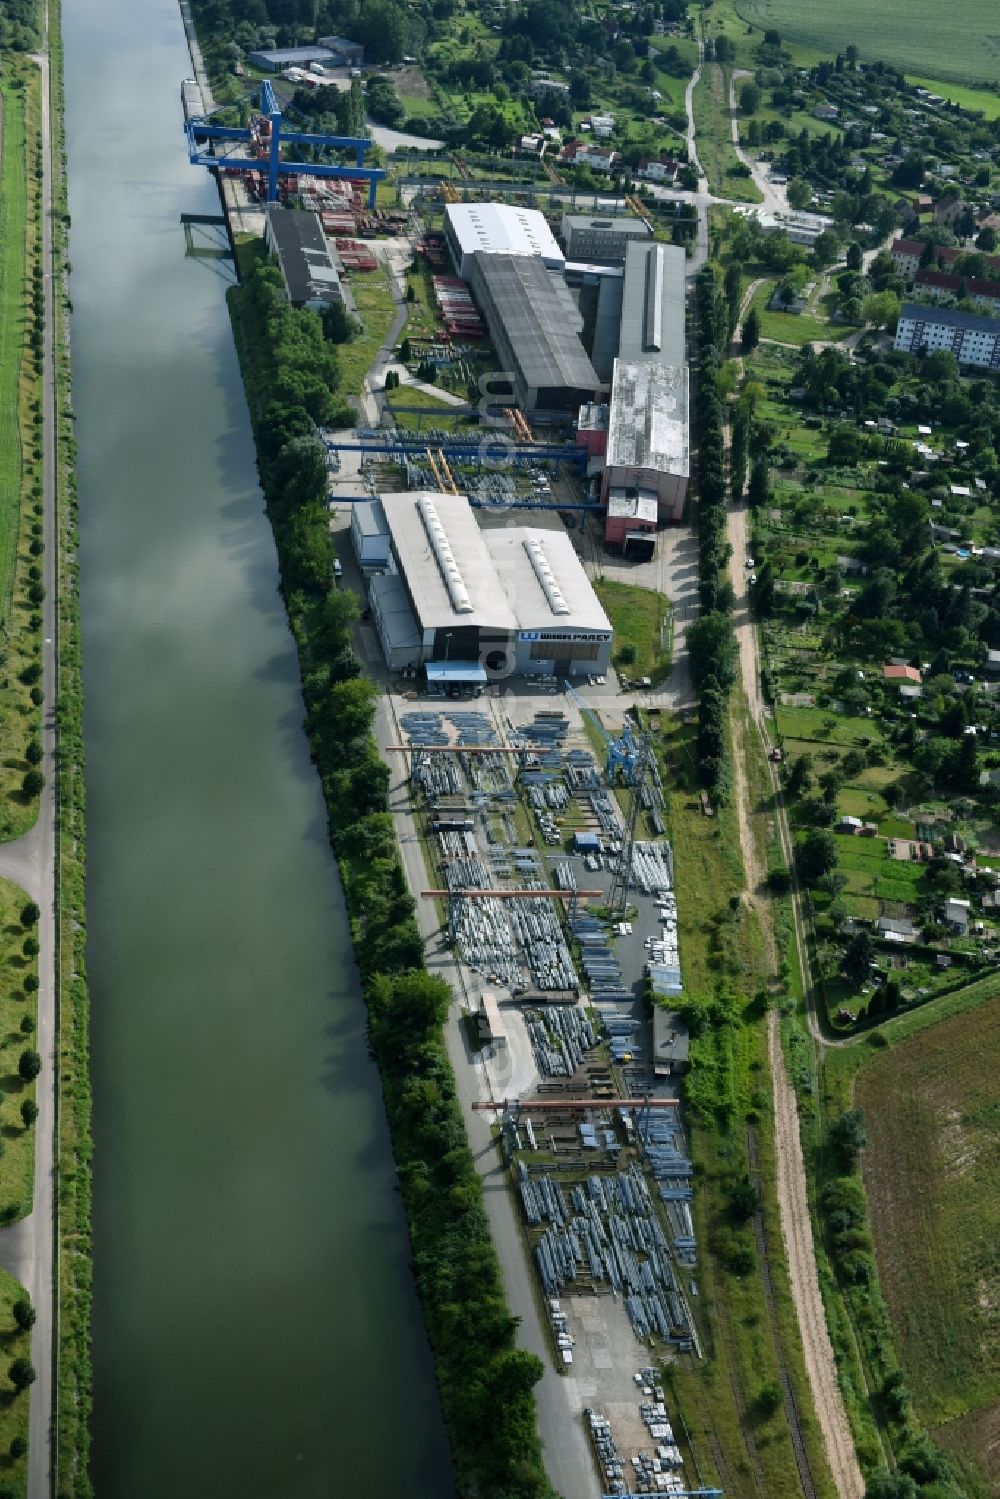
[21, 594]
[18, 1009]
[727, 177]
[71, 1441]
[641, 619]
[376, 310]
[727, 1400]
[20, 449]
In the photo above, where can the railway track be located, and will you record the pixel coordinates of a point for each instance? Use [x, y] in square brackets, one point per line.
[743, 1411]
[792, 1415]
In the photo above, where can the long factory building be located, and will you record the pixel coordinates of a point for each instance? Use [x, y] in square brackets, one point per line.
[516, 274]
[648, 443]
[514, 269]
[643, 432]
[469, 605]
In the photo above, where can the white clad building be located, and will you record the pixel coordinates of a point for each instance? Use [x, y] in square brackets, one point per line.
[562, 629]
[473, 606]
[498, 229]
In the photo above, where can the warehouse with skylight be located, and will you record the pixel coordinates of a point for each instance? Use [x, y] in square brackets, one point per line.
[471, 606]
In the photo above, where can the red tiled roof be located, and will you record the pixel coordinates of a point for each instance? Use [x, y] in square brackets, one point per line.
[901, 674]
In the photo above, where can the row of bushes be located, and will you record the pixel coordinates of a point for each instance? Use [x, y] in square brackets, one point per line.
[485, 1382]
[710, 640]
[74, 1376]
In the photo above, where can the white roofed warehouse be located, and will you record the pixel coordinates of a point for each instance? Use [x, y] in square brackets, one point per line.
[498, 229]
[562, 629]
[479, 606]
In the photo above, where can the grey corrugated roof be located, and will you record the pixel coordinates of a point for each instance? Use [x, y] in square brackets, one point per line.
[277, 56]
[399, 626]
[306, 263]
[948, 317]
[653, 304]
[539, 319]
[648, 424]
[369, 518]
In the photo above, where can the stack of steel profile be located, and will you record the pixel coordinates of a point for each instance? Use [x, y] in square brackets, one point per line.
[665, 1151]
[582, 773]
[599, 961]
[614, 1233]
[653, 867]
[479, 927]
[560, 1038]
[608, 1455]
[605, 809]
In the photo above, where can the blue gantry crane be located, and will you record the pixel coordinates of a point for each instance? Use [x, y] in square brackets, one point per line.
[265, 136]
[623, 754]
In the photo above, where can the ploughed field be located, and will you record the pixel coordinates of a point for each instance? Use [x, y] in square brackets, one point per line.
[932, 1171]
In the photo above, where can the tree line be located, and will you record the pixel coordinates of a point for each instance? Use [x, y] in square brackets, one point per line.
[710, 639]
[485, 1381]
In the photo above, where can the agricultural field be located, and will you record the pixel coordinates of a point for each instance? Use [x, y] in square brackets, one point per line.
[932, 1174]
[916, 35]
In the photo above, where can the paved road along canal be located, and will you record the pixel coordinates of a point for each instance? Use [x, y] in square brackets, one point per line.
[256, 1328]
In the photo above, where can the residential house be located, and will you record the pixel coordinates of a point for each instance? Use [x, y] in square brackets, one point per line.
[895, 930]
[956, 914]
[597, 158]
[602, 126]
[901, 674]
[949, 210]
[971, 337]
[906, 255]
[663, 169]
[539, 86]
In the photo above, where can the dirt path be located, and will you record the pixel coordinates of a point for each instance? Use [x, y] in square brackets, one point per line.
[793, 1202]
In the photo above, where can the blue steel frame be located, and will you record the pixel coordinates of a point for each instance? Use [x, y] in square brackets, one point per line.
[200, 130]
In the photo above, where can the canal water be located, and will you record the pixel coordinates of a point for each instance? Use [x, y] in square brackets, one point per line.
[256, 1329]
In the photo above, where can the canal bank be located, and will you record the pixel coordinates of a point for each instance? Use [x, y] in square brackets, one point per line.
[255, 1326]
